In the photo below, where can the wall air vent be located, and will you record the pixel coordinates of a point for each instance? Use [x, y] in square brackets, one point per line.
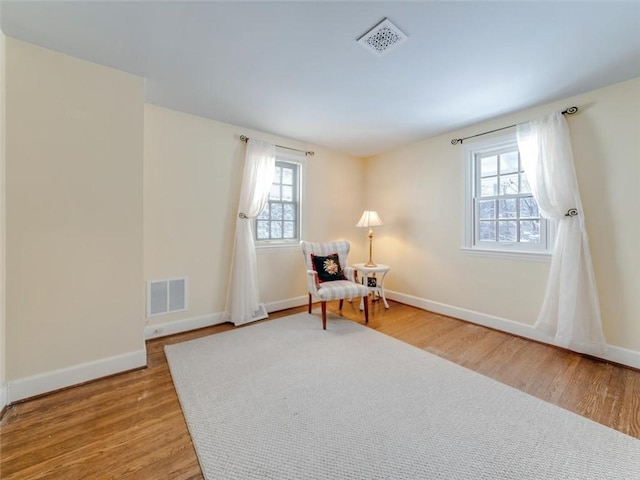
[166, 296]
[383, 37]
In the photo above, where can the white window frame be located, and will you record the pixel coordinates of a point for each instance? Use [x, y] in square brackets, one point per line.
[289, 242]
[471, 244]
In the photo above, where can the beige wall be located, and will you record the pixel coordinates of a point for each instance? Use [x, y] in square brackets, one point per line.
[84, 154]
[419, 192]
[74, 211]
[190, 173]
[2, 223]
[192, 176]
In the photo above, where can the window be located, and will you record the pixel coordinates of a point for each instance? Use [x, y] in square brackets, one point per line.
[501, 213]
[279, 222]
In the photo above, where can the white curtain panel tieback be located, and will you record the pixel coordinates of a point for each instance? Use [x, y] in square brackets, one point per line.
[243, 300]
[570, 312]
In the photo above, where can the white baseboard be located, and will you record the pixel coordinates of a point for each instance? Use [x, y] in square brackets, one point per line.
[184, 325]
[27, 387]
[67, 377]
[623, 356]
[3, 396]
[287, 303]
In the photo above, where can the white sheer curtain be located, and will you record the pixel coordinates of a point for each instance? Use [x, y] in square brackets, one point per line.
[243, 300]
[570, 312]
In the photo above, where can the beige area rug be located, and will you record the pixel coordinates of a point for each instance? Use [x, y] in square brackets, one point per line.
[286, 400]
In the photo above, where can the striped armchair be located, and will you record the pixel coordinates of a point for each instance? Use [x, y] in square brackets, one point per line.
[337, 289]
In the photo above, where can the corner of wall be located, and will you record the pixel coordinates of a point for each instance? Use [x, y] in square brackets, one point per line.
[3, 390]
[86, 122]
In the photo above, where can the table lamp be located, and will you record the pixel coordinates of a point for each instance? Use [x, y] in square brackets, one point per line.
[370, 218]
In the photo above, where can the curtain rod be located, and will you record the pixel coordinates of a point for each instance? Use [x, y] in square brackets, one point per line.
[307, 153]
[455, 141]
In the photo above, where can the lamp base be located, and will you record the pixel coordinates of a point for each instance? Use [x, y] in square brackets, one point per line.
[370, 262]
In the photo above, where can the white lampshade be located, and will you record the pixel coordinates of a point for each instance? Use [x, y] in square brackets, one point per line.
[370, 218]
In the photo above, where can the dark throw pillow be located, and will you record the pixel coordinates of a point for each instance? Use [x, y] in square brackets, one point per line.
[328, 268]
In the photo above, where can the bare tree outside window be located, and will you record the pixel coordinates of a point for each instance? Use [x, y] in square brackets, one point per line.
[279, 221]
[502, 214]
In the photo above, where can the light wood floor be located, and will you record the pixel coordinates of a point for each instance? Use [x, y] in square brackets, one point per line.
[130, 426]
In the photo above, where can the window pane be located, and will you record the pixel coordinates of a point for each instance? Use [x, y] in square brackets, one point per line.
[487, 209]
[507, 208]
[287, 176]
[507, 231]
[530, 231]
[508, 163]
[279, 220]
[276, 230]
[502, 214]
[289, 211]
[289, 230]
[263, 230]
[274, 194]
[489, 187]
[487, 231]
[528, 208]
[508, 184]
[276, 211]
[489, 166]
[287, 193]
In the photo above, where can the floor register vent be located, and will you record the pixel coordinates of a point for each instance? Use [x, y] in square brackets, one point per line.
[166, 296]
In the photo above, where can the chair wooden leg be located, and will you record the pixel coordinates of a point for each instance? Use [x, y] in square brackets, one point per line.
[341, 300]
[366, 308]
[309, 303]
[324, 315]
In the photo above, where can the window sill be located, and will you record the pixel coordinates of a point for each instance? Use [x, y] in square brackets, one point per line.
[544, 257]
[278, 247]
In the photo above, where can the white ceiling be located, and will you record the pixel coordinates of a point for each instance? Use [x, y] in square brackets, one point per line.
[295, 69]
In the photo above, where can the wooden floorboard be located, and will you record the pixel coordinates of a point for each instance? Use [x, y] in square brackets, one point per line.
[130, 426]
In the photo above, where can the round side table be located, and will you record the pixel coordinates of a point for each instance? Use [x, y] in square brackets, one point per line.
[373, 279]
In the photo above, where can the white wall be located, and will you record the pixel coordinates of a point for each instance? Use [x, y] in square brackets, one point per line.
[419, 190]
[74, 156]
[192, 175]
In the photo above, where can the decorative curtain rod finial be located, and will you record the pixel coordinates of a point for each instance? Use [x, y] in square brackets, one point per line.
[572, 212]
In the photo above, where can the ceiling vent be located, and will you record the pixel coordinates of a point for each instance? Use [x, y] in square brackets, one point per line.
[383, 37]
